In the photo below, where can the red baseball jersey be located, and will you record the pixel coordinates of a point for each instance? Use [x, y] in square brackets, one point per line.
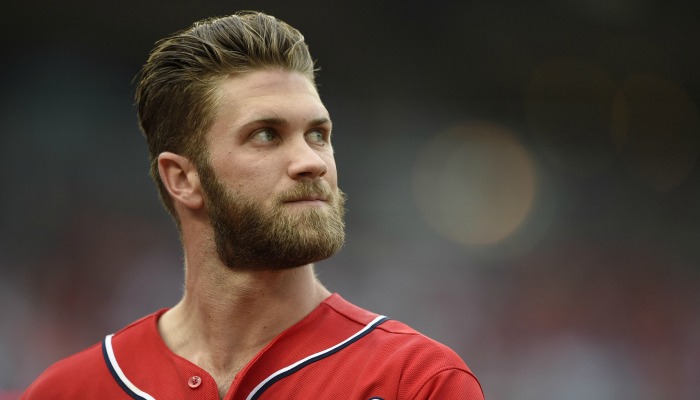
[338, 351]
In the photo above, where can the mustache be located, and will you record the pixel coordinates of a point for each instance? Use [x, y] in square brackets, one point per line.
[307, 189]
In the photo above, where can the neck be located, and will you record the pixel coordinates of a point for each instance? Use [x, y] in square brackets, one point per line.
[226, 317]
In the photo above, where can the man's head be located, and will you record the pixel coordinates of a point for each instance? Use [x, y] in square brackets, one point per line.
[230, 109]
[176, 95]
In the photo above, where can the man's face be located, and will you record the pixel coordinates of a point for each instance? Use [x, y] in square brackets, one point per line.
[270, 180]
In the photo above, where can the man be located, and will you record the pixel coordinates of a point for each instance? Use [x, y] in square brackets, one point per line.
[241, 153]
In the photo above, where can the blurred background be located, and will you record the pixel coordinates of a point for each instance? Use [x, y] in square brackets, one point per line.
[523, 182]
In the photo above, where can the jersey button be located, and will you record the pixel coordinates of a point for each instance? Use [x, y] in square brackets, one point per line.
[194, 382]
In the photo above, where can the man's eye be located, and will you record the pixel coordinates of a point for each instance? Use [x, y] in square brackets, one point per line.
[315, 136]
[264, 135]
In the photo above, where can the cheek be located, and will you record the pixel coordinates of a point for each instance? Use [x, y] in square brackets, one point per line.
[255, 178]
[235, 174]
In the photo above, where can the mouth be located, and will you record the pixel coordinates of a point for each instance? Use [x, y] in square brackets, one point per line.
[313, 199]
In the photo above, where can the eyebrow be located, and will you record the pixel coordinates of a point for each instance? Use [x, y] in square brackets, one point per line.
[276, 121]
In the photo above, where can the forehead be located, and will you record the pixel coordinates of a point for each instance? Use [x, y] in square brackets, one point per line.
[268, 92]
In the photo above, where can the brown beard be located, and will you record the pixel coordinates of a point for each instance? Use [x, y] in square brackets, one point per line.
[249, 236]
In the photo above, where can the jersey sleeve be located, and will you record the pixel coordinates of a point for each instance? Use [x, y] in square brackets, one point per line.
[451, 384]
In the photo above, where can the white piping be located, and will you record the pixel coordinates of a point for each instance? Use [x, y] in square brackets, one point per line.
[285, 369]
[118, 370]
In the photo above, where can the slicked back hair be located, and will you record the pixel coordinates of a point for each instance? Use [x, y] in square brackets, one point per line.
[176, 93]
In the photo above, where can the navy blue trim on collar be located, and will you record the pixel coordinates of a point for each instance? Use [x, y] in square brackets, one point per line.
[123, 385]
[285, 373]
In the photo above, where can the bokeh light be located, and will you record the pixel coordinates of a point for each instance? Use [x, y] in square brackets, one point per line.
[475, 183]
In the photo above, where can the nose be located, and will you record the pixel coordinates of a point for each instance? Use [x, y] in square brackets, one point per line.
[306, 162]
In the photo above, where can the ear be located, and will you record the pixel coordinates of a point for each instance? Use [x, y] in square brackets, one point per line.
[181, 179]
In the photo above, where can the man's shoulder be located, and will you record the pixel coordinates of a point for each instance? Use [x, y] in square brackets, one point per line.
[399, 339]
[70, 376]
[394, 354]
[407, 340]
[79, 374]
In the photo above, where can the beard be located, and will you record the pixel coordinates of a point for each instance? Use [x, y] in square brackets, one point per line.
[250, 236]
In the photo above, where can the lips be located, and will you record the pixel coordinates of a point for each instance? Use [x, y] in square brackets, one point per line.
[314, 197]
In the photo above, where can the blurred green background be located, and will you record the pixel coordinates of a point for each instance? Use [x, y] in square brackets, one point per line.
[523, 182]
